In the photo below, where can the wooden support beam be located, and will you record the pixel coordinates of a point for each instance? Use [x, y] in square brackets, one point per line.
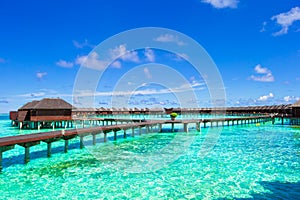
[185, 127]
[159, 128]
[94, 139]
[27, 149]
[198, 126]
[3, 149]
[49, 149]
[66, 146]
[115, 135]
[132, 131]
[125, 133]
[49, 144]
[105, 136]
[81, 141]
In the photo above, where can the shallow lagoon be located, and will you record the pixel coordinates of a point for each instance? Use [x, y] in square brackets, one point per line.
[248, 161]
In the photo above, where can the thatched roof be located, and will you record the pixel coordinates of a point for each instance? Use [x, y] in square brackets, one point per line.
[297, 104]
[29, 105]
[47, 103]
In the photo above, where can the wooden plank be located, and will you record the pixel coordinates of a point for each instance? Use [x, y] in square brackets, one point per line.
[50, 118]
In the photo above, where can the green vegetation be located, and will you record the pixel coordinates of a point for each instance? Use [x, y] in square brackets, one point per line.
[173, 115]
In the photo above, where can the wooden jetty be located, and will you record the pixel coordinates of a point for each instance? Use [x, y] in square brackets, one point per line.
[29, 140]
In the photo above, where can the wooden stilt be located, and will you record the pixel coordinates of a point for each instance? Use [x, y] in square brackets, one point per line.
[160, 128]
[3, 149]
[66, 146]
[94, 139]
[49, 149]
[125, 133]
[1, 161]
[185, 127]
[115, 135]
[27, 149]
[81, 141]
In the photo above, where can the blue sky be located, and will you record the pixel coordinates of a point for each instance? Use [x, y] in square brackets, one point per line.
[254, 44]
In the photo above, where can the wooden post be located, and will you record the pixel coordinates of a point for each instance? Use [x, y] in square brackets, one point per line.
[172, 129]
[27, 152]
[115, 135]
[132, 131]
[66, 146]
[125, 133]
[198, 126]
[1, 161]
[105, 137]
[81, 141]
[3, 149]
[140, 130]
[185, 127]
[94, 139]
[160, 127]
[49, 149]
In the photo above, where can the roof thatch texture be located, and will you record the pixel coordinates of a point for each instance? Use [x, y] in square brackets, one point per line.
[29, 105]
[47, 103]
[297, 104]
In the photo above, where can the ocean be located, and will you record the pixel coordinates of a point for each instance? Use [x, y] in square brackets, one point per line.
[255, 161]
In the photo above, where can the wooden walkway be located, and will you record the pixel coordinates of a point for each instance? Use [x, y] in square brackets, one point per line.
[29, 140]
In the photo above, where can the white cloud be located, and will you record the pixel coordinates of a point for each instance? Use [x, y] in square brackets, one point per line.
[290, 98]
[116, 64]
[80, 45]
[266, 97]
[34, 94]
[63, 63]
[169, 38]
[92, 61]
[147, 73]
[40, 75]
[222, 3]
[263, 29]
[149, 55]
[261, 70]
[125, 55]
[285, 20]
[266, 78]
[147, 91]
[180, 57]
[265, 74]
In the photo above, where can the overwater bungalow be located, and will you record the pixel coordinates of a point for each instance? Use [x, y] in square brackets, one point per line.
[296, 109]
[46, 113]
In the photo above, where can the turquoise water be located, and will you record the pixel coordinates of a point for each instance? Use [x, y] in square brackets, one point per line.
[250, 161]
